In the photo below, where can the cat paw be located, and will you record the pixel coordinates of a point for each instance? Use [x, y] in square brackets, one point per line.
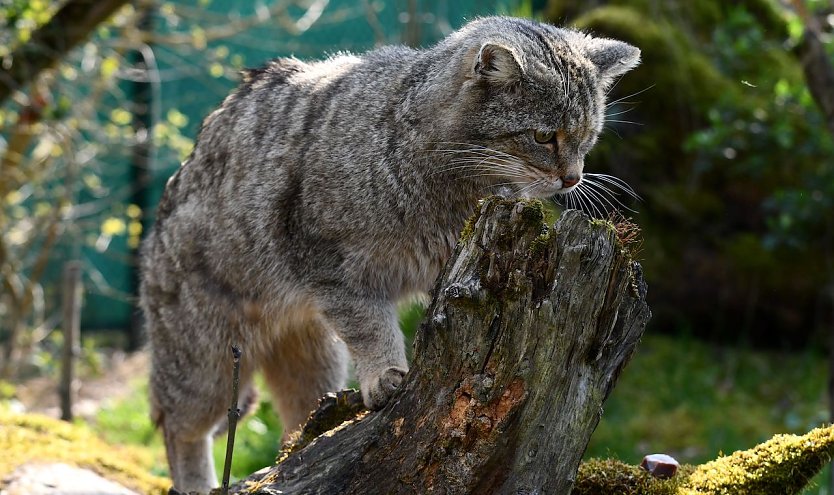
[377, 388]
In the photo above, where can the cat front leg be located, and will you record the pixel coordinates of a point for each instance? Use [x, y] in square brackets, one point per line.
[370, 328]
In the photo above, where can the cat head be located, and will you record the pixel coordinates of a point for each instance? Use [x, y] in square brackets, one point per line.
[533, 100]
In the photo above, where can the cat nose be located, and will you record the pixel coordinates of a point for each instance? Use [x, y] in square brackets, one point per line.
[570, 180]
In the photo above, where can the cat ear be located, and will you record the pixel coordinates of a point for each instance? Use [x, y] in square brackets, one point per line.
[498, 64]
[613, 58]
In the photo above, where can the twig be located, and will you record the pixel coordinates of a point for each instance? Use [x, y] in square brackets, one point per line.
[234, 415]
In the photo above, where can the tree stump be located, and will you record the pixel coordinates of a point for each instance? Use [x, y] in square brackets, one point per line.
[527, 332]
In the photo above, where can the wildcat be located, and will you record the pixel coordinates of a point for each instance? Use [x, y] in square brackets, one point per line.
[321, 193]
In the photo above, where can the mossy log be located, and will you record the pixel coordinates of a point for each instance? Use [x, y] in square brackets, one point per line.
[528, 330]
[783, 465]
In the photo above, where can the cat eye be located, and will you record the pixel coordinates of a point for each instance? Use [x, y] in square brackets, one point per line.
[544, 137]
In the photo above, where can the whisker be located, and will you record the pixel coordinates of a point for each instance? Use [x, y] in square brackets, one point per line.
[491, 170]
[623, 121]
[606, 188]
[581, 203]
[614, 131]
[573, 201]
[617, 182]
[595, 196]
[578, 200]
[528, 187]
[481, 163]
[614, 85]
[596, 213]
[618, 100]
[600, 195]
[619, 113]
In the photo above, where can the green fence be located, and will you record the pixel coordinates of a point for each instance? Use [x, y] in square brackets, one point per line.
[192, 81]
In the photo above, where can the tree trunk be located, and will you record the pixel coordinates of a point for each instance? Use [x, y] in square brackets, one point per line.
[819, 73]
[527, 332]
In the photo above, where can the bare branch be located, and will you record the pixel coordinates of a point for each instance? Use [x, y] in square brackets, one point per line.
[73, 23]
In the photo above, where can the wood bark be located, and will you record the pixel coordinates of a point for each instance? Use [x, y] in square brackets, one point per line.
[528, 330]
[819, 73]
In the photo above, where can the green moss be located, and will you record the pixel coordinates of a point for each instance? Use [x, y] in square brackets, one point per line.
[612, 477]
[28, 437]
[783, 464]
[468, 228]
[541, 243]
[603, 224]
[532, 212]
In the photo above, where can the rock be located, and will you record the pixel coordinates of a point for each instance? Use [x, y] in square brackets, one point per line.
[58, 479]
[660, 465]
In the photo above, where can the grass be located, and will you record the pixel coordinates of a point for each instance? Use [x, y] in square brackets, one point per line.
[127, 422]
[678, 396]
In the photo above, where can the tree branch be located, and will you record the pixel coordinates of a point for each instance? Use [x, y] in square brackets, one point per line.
[819, 74]
[72, 24]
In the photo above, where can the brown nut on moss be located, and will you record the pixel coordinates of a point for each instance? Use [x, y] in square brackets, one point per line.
[660, 465]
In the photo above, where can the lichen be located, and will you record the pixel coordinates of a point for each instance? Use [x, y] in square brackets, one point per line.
[28, 438]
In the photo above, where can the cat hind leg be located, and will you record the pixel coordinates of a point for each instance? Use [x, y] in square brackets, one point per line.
[307, 360]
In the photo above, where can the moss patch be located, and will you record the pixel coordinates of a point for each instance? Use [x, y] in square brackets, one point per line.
[532, 212]
[612, 477]
[468, 228]
[784, 464]
[28, 437]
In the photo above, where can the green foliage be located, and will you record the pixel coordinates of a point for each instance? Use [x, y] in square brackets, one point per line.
[18, 18]
[257, 438]
[257, 441]
[127, 422]
[733, 158]
[692, 400]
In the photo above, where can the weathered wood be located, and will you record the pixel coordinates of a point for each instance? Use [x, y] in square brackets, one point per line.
[527, 332]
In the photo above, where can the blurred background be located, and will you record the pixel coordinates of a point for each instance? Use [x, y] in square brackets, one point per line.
[726, 131]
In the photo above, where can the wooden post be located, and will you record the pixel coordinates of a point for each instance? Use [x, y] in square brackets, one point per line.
[71, 327]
